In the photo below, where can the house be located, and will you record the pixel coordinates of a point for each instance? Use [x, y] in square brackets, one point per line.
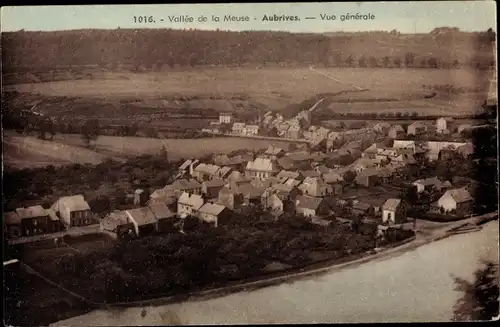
[396, 131]
[291, 182]
[284, 175]
[118, 225]
[251, 194]
[311, 173]
[251, 129]
[300, 157]
[272, 202]
[273, 153]
[186, 185]
[35, 220]
[225, 118]
[444, 125]
[238, 128]
[294, 132]
[417, 128]
[140, 197]
[204, 172]
[381, 128]
[404, 144]
[286, 163]
[362, 209]
[261, 168]
[164, 216]
[223, 172]
[428, 184]
[230, 198]
[362, 164]
[335, 180]
[459, 200]
[334, 135]
[394, 211]
[308, 206]
[189, 204]
[12, 224]
[167, 195]
[143, 219]
[284, 192]
[210, 189]
[73, 211]
[214, 213]
[321, 133]
[315, 187]
[368, 177]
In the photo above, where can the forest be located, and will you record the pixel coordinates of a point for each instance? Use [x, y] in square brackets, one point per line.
[154, 49]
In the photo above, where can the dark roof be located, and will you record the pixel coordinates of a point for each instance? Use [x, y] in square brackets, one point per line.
[214, 183]
[361, 206]
[286, 162]
[143, 216]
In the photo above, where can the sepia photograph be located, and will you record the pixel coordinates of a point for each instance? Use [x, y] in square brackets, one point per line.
[250, 163]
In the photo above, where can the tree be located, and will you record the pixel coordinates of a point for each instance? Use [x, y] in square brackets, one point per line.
[349, 61]
[432, 62]
[386, 62]
[90, 131]
[480, 298]
[362, 62]
[409, 59]
[397, 62]
[373, 62]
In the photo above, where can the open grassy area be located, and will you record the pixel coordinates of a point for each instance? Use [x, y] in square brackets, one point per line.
[270, 88]
[30, 152]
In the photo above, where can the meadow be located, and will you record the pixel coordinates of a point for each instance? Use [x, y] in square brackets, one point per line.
[30, 152]
[270, 88]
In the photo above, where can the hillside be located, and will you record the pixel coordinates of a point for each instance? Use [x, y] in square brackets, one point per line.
[155, 49]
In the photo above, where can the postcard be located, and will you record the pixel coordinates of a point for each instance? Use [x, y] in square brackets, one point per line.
[250, 163]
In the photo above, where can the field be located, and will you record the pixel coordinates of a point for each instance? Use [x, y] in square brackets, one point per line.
[267, 88]
[30, 152]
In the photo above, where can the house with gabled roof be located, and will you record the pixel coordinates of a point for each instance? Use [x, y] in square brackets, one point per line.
[417, 128]
[381, 127]
[230, 198]
[210, 189]
[367, 177]
[315, 187]
[284, 175]
[427, 184]
[189, 204]
[261, 168]
[459, 200]
[12, 224]
[273, 152]
[164, 216]
[118, 225]
[143, 219]
[444, 125]
[214, 213]
[204, 172]
[286, 163]
[311, 207]
[187, 185]
[73, 211]
[396, 131]
[394, 211]
[35, 220]
[238, 128]
[223, 172]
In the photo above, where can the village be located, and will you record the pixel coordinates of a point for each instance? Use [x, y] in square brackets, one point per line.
[350, 176]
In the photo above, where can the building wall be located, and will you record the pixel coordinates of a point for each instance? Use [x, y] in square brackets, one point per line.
[35, 226]
[81, 218]
[306, 212]
[447, 202]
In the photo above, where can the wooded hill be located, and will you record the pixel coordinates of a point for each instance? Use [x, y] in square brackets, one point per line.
[157, 48]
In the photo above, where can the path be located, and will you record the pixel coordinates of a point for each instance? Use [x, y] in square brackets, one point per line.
[335, 79]
[73, 231]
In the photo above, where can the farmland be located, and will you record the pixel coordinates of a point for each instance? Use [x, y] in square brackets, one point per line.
[30, 152]
[233, 89]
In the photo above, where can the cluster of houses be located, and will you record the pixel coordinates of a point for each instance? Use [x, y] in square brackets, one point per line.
[66, 212]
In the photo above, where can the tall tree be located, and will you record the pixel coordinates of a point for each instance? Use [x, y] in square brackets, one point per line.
[479, 300]
[90, 131]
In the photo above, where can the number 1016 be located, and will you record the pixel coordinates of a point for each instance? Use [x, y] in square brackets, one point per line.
[144, 19]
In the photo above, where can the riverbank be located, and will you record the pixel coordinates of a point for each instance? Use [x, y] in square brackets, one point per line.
[416, 286]
[289, 276]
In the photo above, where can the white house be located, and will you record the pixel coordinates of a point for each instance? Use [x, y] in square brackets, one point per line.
[238, 128]
[225, 118]
[189, 204]
[459, 200]
[211, 213]
[261, 168]
[393, 211]
[443, 124]
[251, 129]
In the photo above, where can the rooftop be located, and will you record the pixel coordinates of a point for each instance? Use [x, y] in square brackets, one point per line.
[212, 209]
[71, 203]
[391, 204]
[31, 212]
[460, 195]
[142, 216]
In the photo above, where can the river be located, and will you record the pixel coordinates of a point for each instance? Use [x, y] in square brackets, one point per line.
[415, 286]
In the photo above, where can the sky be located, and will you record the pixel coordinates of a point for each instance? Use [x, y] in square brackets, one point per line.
[406, 17]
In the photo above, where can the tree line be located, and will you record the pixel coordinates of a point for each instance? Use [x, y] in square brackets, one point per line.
[155, 49]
